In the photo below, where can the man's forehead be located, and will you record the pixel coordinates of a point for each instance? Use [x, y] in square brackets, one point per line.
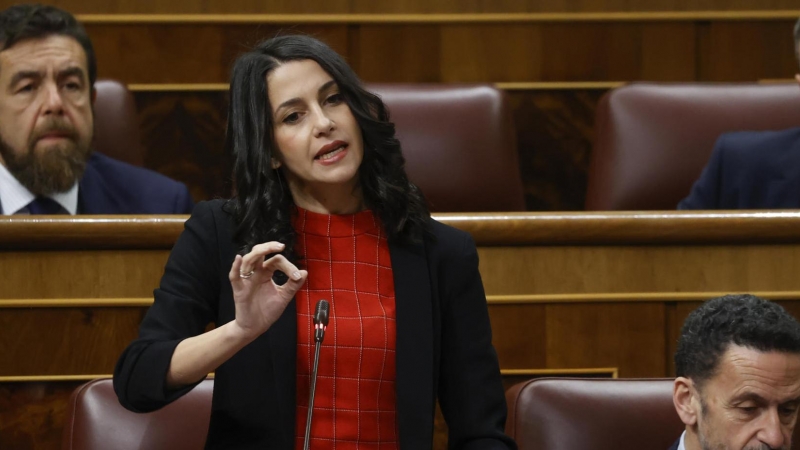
[39, 53]
[743, 370]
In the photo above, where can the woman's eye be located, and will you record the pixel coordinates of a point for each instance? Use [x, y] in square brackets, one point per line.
[291, 118]
[335, 99]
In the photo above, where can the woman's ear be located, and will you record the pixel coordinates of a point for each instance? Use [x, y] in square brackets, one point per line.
[683, 397]
[274, 163]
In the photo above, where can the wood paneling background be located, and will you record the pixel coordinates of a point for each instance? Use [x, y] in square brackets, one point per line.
[183, 136]
[750, 50]
[406, 6]
[32, 414]
[576, 305]
[542, 64]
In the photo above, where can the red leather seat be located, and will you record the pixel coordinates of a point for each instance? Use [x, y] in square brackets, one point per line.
[96, 421]
[459, 144]
[116, 130]
[593, 414]
[653, 140]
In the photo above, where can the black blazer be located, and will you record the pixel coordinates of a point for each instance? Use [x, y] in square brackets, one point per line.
[750, 170]
[444, 347]
[675, 445]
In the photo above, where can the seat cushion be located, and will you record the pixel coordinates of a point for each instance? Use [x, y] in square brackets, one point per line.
[96, 420]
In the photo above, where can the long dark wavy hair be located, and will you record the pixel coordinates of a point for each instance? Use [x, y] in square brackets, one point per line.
[262, 205]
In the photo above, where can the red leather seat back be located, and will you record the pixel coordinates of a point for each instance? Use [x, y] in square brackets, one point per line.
[593, 414]
[653, 140]
[116, 125]
[96, 421]
[459, 144]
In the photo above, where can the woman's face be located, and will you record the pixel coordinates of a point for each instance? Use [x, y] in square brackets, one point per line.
[319, 143]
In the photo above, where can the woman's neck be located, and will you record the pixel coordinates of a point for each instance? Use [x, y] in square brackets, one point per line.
[328, 199]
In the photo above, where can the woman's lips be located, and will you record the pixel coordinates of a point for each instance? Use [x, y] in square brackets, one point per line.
[329, 155]
[330, 148]
[332, 157]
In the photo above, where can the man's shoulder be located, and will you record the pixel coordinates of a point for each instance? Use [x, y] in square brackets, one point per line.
[760, 145]
[112, 169]
[110, 186]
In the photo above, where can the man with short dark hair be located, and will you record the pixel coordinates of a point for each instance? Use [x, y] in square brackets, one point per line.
[752, 169]
[738, 383]
[47, 75]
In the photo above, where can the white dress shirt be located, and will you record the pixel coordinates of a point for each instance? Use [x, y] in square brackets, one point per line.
[680, 444]
[14, 197]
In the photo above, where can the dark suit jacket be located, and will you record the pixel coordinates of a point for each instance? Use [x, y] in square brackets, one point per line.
[675, 445]
[750, 170]
[444, 344]
[109, 186]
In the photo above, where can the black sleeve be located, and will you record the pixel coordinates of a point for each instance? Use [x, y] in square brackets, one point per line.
[185, 303]
[705, 193]
[470, 387]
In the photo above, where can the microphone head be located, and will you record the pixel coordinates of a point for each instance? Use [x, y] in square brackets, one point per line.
[321, 312]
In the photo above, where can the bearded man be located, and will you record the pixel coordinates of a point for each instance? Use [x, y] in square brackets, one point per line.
[47, 75]
[738, 384]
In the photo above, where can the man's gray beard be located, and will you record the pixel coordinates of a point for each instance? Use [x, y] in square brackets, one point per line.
[706, 446]
[50, 170]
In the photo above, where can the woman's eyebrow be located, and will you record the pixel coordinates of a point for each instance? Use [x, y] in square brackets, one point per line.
[327, 86]
[296, 100]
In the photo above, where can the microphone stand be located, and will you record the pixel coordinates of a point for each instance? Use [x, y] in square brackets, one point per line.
[311, 396]
[320, 324]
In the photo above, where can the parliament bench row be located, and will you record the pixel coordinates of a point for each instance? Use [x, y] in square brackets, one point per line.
[546, 413]
[600, 294]
[651, 140]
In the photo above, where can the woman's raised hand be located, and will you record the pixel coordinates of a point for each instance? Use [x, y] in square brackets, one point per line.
[258, 299]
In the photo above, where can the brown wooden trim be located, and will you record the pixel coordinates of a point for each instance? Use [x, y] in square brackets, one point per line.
[506, 86]
[290, 19]
[613, 371]
[90, 232]
[488, 229]
[557, 85]
[629, 227]
[179, 87]
[627, 297]
[777, 81]
[606, 297]
[50, 378]
[76, 302]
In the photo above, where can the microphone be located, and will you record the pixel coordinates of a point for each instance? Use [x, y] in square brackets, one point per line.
[321, 320]
[320, 325]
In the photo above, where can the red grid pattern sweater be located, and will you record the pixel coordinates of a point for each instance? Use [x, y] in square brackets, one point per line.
[347, 258]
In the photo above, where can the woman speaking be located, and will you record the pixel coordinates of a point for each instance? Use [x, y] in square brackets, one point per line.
[323, 209]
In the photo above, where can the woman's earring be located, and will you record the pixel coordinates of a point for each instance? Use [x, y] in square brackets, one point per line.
[275, 163]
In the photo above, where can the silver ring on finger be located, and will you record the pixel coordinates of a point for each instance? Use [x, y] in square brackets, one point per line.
[246, 275]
